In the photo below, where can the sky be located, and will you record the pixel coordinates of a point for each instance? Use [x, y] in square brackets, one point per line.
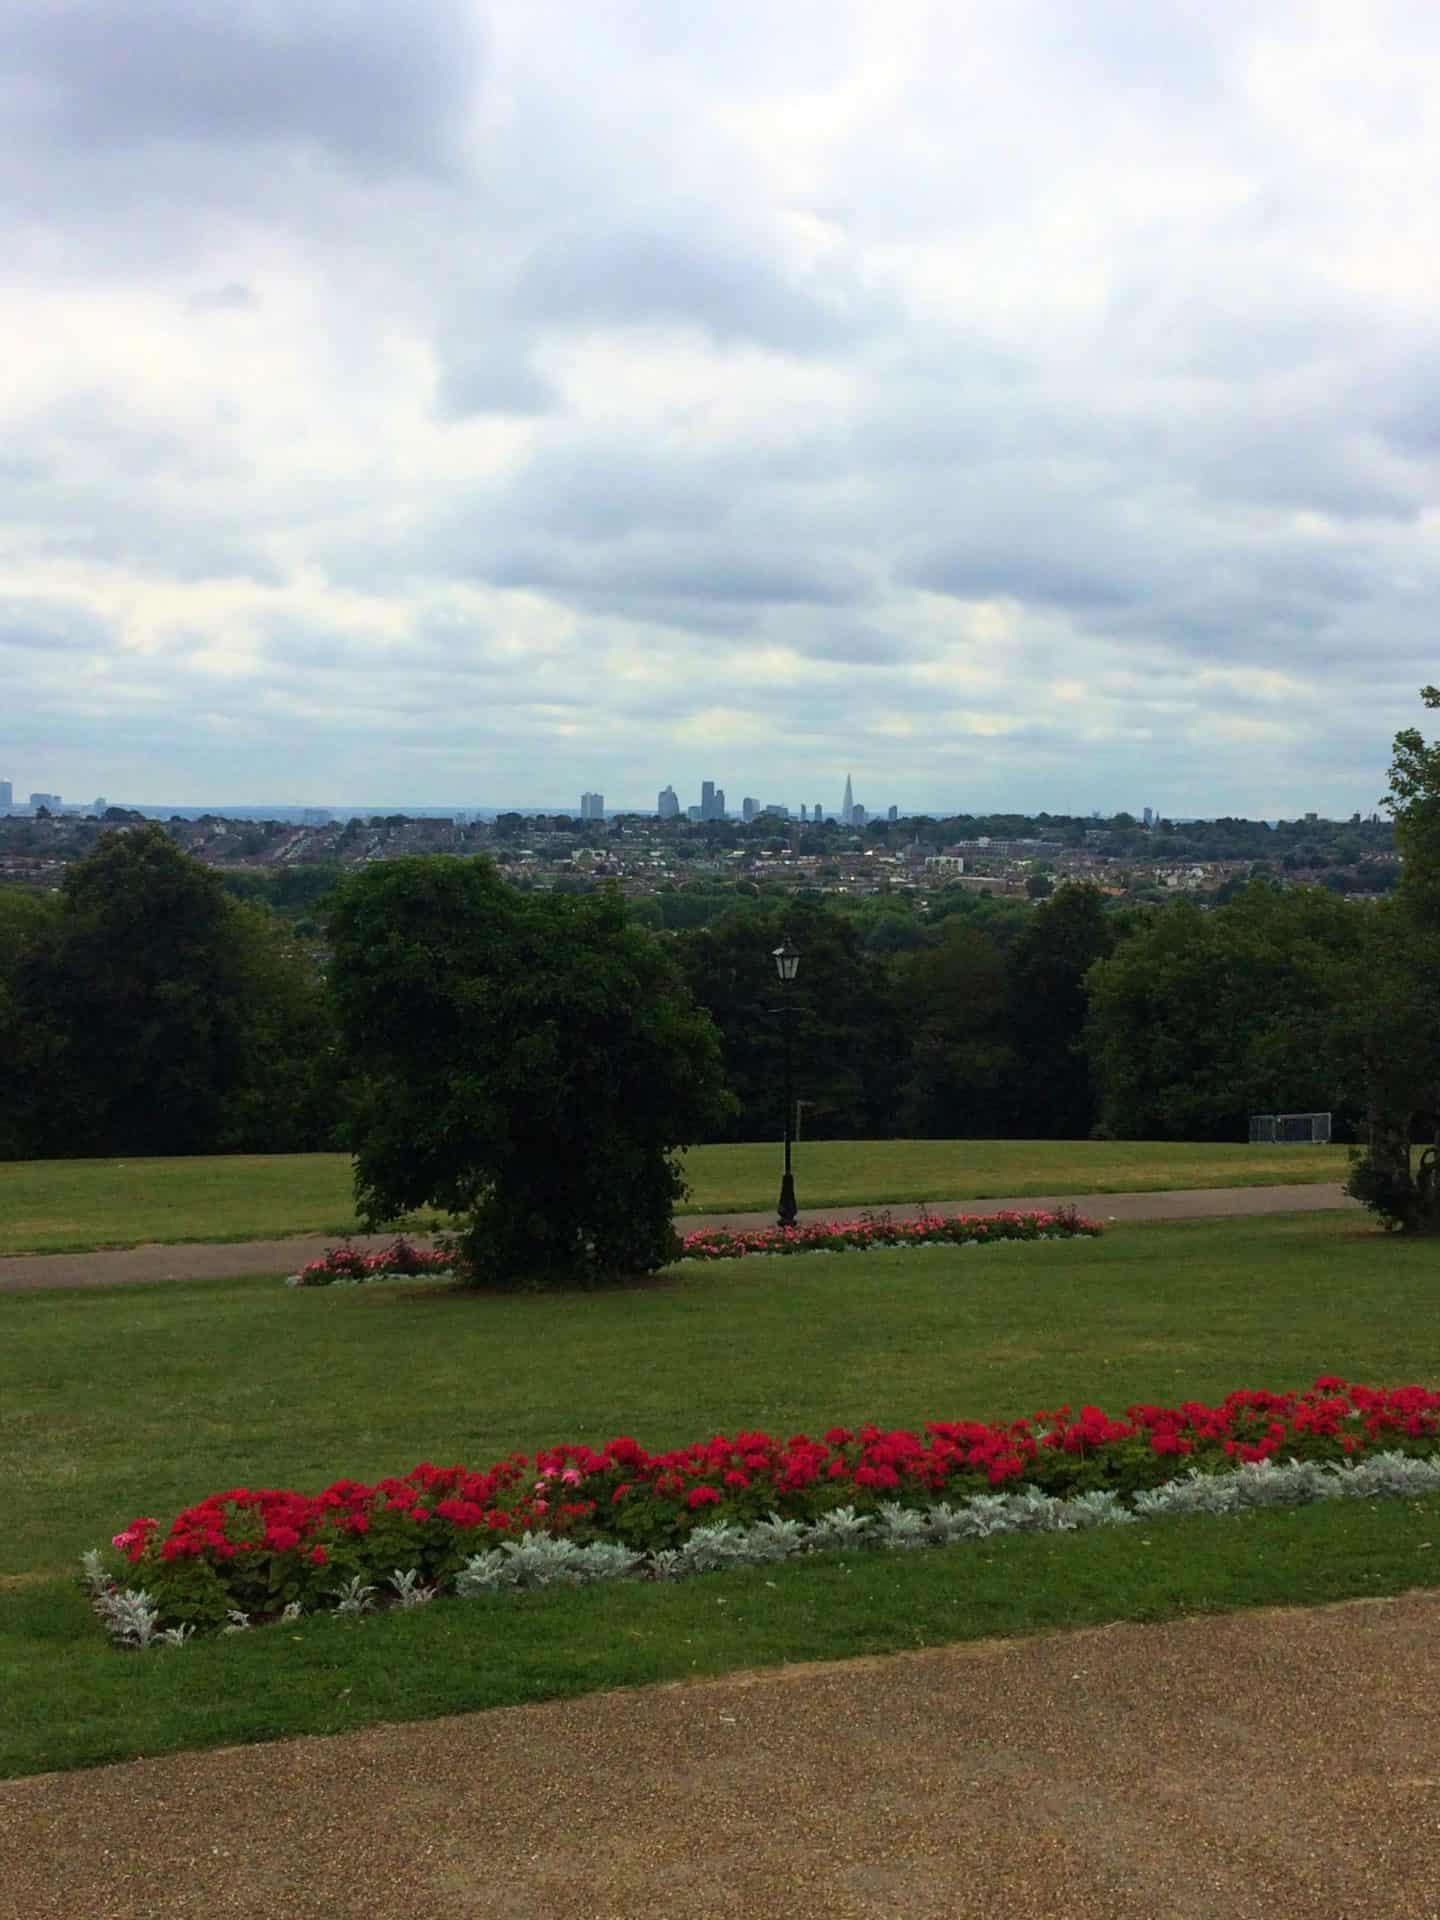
[1014, 404]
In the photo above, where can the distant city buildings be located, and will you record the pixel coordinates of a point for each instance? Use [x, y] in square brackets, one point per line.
[712, 806]
[592, 806]
[7, 796]
[48, 800]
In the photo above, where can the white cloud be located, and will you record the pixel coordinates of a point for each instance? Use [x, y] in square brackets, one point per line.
[1021, 406]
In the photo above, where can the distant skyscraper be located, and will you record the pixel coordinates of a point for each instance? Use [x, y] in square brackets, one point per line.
[592, 806]
[668, 805]
[7, 796]
[748, 809]
[804, 812]
[50, 800]
[707, 799]
[894, 813]
[847, 805]
[719, 813]
[1149, 817]
[817, 812]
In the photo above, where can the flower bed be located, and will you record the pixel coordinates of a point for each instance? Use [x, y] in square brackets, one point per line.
[348, 1266]
[883, 1230]
[247, 1554]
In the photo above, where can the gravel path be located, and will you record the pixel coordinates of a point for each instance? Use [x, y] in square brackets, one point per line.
[1283, 1764]
[112, 1267]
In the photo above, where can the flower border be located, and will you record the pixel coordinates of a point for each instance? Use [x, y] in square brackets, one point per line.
[402, 1259]
[132, 1616]
[253, 1552]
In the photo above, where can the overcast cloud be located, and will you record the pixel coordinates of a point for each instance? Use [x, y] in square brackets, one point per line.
[1022, 403]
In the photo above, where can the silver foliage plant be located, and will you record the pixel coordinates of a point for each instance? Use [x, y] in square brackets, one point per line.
[539, 1560]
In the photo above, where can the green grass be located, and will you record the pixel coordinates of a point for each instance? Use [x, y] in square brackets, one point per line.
[139, 1399]
[57, 1206]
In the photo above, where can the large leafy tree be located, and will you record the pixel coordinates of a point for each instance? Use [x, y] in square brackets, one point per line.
[959, 1065]
[1392, 1020]
[846, 1046]
[528, 1062]
[1199, 1019]
[149, 1013]
[1054, 1092]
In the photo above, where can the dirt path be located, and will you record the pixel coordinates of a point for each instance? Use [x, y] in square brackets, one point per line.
[1283, 1764]
[114, 1267]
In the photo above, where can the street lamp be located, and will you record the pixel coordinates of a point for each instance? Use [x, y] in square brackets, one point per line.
[787, 965]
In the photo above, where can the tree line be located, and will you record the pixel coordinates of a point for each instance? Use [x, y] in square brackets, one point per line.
[144, 1009]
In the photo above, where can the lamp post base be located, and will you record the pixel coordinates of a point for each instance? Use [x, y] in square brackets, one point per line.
[785, 1214]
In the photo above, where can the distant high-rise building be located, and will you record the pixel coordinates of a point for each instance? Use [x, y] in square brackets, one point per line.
[893, 814]
[847, 805]
[778, 808]
[804, 812]
[817, 812]
[693, 813]
[707, 799]
[748, 809]
[592, 806]
[7, 796]
[668, 804]
[50, 800]
[1149, 817]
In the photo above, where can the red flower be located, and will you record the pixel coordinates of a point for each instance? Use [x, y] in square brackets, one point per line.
[702, 1497]
[318, 1556]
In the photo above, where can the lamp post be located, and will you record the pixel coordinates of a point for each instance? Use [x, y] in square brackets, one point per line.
[787, 965]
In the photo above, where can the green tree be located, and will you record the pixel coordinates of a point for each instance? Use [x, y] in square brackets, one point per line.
[1393, 1006]
[529, 1063]
[159, 1016]
[28, 1039]
[1199, 1019]
[844, 1038]
[1053, 1086]
[959, 1069]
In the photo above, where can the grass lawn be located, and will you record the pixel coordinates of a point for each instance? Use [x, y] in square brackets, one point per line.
[139, 1399]
[56, 1206]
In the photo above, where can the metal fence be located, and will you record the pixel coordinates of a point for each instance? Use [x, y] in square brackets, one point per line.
[1289, 1129]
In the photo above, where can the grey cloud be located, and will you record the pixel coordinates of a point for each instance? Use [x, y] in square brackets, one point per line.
[973, 571]
[691, 278]
[372, 86]
[693, 569]
[490, 377]
[233, 297]
[43, 627]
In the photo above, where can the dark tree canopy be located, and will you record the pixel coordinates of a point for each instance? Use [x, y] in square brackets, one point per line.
[151, 1014]
[529, 1062]
[1198, 1020]
[1393, 1019]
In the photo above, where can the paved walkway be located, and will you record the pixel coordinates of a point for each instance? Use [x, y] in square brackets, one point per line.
[1282, 1765]
[202, 1260]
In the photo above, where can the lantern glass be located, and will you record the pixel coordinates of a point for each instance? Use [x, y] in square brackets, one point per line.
[787, 962]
